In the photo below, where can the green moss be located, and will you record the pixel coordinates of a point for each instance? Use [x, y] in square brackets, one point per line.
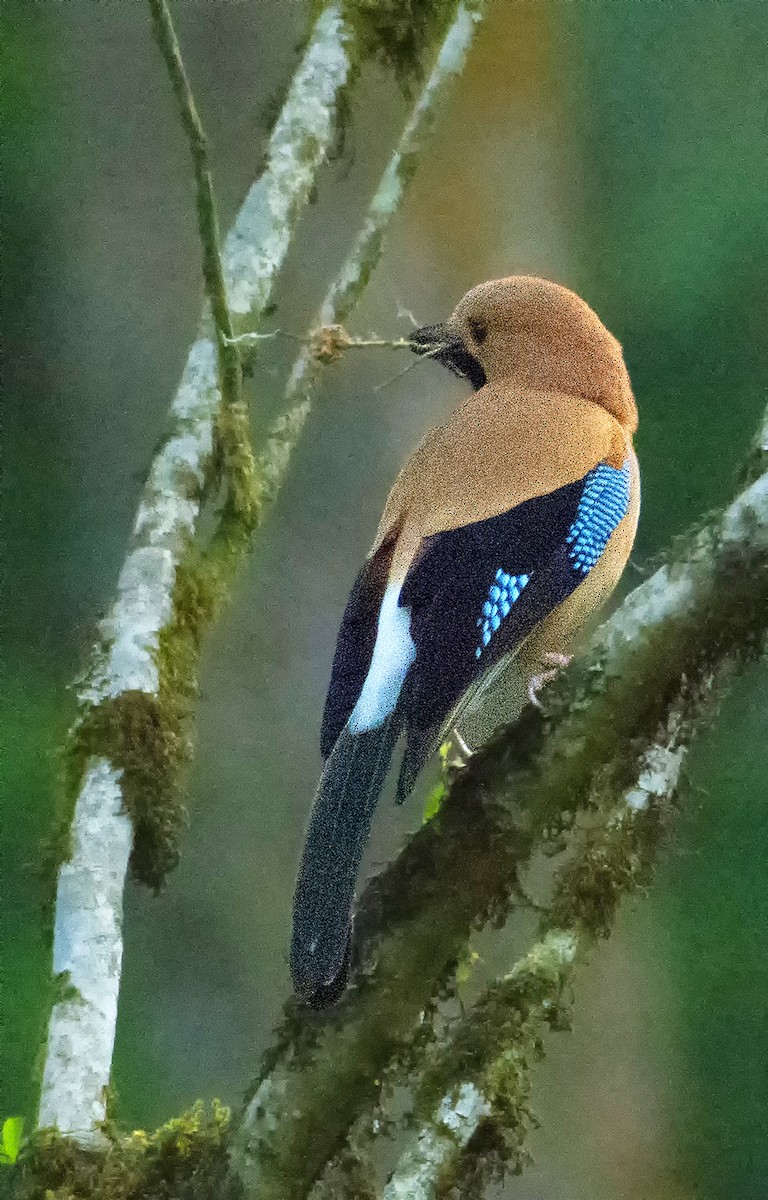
[499, 1144]
[398, 33]
[143, 736]
[755, 464]
[612, 858]
[186, 1159]
[506, 1020]
[501, 1042]
[148, 736]
[238, 469]
[497, 1048]
[350, 1176]
[64, 989]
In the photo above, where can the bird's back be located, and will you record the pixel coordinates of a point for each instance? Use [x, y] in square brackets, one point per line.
[494, 452]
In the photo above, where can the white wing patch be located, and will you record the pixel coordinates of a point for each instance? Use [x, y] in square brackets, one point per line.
[393, 653]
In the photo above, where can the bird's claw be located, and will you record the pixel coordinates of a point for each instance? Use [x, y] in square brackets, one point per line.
[541, 678]
[557, 660]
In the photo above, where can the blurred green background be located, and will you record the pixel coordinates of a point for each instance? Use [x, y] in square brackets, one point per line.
[617, 146]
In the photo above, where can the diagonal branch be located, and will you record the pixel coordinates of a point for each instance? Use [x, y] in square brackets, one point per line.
[477, 1092]
[349, 284]
[130, 740]
[461, 870]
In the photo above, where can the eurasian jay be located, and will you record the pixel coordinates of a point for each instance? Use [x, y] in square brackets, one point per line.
[508, 526]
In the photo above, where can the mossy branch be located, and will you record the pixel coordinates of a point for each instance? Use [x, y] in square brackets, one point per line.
[185, 1159]
[131, 737]
[474, 1102]
[233, 426]
[703, 608]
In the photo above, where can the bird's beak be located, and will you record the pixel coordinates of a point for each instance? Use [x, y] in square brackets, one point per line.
[447, 348]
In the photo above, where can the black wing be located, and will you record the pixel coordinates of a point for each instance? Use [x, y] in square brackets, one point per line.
[354, 645]
[475, 593]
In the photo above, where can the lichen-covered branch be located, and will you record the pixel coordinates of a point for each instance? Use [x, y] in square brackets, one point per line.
[710, 603]
[130, 738]
[185, 1159]
[351, 280]
[476, 1093]
[525, 1002]
[256, 245]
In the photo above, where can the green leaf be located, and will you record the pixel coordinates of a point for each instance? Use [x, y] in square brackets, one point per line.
[435, 798]
[467, 965]
[433, 801]
[13, 1128]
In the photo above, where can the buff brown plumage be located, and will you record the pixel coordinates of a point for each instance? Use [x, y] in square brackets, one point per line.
[508, 526]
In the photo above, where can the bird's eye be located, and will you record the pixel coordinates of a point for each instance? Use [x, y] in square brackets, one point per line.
[478, 329]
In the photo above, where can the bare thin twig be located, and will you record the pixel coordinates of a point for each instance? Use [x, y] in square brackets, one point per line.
[327, 341]
[207, 218]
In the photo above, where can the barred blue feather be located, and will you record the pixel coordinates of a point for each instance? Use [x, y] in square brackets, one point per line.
[603, 504]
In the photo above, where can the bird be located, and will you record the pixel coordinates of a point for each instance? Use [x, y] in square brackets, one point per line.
[508, 526]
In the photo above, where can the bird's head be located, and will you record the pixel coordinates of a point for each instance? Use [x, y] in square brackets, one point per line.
[535, 334]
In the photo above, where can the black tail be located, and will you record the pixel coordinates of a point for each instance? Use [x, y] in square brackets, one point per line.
[325, 889]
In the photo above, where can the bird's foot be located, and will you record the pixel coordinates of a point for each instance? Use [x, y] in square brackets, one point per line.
[538, 681]
[557, 660]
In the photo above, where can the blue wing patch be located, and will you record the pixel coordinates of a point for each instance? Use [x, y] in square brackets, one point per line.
[502, 594]
[603, 504]
[473, 594]
[476, 592]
